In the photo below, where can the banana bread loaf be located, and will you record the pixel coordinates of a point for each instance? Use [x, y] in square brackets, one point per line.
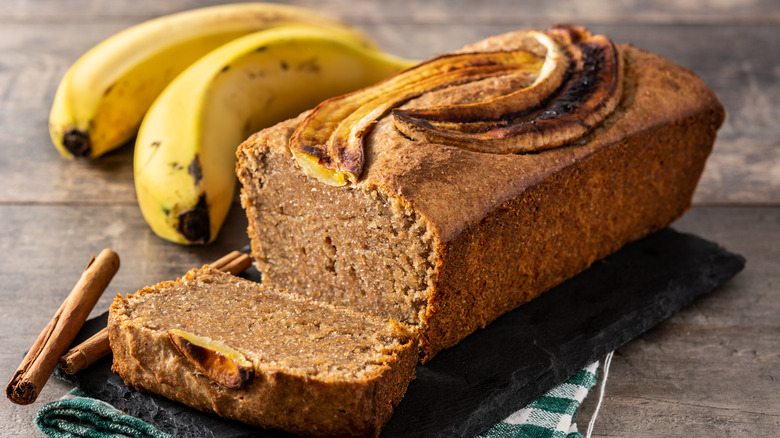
[445, 235]
[227, 345]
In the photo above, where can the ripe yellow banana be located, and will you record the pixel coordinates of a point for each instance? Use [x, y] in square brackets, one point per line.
[185, 153]
[104, 95]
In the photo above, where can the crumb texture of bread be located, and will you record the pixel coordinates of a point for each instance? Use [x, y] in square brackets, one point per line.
[319, 370]
[362, 241]
[445, 239]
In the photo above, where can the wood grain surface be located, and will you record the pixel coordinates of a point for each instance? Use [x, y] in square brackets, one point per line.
[711, 370]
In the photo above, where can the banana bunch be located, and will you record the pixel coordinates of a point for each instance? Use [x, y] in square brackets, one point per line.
[185, 153]
[103, 97]
[192, 86]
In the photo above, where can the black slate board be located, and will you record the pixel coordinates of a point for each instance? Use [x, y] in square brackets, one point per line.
[505, 366]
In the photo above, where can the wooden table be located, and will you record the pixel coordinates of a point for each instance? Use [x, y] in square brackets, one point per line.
[711, 370]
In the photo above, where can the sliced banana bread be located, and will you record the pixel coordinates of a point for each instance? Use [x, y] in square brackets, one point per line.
[230, 346]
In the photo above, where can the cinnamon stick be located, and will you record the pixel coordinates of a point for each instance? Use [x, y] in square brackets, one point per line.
[238, 265]
[29, 379]
[97, 347]
[225, 260]
[86, 353]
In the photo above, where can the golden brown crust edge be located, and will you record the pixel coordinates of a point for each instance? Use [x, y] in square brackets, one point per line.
[147, 361]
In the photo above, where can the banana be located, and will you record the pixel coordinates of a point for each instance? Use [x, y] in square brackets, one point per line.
[184, 163]
[103, 97]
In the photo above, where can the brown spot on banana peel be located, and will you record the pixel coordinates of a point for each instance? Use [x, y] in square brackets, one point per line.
[310, 65]
[77, 142]
[195, 170]
[591, 92]
[332, 134]
[194, 223]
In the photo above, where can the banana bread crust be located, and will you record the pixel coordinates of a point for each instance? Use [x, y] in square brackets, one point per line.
[336, 404]
[502, 229]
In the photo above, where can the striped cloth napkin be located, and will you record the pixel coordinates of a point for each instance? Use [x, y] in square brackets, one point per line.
[78, 415]
[550, 416]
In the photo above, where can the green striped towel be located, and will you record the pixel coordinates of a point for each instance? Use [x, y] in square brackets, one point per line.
[550, 416]
[78, 415]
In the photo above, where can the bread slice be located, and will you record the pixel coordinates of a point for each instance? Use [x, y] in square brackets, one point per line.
[446, 239]
[287, 362]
